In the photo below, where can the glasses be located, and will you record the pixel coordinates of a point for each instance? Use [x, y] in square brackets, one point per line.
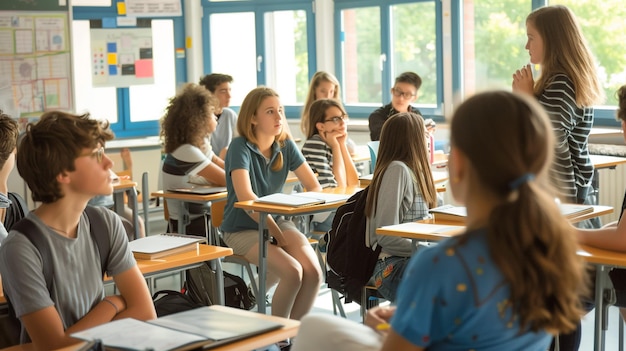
[99, 154]
[337, 119]
[398, 93]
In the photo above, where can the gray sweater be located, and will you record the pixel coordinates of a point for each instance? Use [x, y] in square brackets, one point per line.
[399, 201]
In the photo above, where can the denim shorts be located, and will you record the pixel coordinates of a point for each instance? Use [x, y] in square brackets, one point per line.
[388, 274]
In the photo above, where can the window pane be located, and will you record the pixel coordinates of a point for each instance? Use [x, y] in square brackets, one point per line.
[148, 102]
[287, 55]
[413, 46]
[605, 32]
[360, 46]
[234, 52]
[494, 35]
[100, 102]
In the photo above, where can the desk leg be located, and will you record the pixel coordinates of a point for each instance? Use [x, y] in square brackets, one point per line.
[118, 202]
[132, 199]
[601, 279]
[216, 265]
[263, 238]
[183, 217]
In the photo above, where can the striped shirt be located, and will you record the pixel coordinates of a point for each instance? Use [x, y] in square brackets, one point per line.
[572, 170]
[319, 156]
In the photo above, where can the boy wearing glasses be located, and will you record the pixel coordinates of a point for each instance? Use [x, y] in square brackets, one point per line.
[62, 160]
[404, 92]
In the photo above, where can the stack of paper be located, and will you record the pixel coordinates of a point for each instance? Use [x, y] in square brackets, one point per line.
[161, 245]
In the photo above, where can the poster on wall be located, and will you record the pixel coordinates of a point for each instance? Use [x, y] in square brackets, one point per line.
[35, 73]
[121, 57]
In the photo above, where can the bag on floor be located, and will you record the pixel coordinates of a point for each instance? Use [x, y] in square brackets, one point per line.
[170, 301]
[201, 283]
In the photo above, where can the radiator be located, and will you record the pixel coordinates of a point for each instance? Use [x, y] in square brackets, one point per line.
[612, 183]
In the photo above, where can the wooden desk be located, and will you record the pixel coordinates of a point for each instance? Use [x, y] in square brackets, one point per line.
[265, 209]
[183, 204]
[605, 161]
[289, 330]
[130, 188]
[174, 263]
[439, 177]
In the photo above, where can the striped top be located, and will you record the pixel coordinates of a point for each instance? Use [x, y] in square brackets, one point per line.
[572, 169]
[319, 156]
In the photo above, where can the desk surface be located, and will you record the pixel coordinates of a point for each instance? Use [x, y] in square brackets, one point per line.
[190, 197]
[123, 184]
[289, 330]
[252, 205]
[177, 261]
[605, 161]
[438, 178]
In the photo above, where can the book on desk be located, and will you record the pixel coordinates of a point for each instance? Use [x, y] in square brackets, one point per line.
[204, 327]
[199, 190]
[309, 198]
[458, 213]
[161, 245]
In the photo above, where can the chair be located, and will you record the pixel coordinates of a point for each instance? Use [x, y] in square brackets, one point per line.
[373, 147]
[217, 216]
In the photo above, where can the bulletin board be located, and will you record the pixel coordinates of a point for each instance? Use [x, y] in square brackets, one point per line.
[35, 73]
[121, 57]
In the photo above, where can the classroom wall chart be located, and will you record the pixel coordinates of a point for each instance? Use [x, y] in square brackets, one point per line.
[35, 73]
[121, 57]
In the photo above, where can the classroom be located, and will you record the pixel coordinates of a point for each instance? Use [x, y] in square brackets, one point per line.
[124, 61]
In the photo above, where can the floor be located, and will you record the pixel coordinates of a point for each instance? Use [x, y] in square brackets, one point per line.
[323, 304]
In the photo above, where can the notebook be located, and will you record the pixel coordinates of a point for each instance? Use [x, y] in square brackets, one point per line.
[205, 327]
[449, 213]
[161, 245]
[574, 210]
[302, 199]
[200, 190]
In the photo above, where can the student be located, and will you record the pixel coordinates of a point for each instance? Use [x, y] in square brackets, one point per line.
[220, 85]
[189, 157]
[323, 85]
[8, 142]
[326, 152]
[567, 88]
[404, 92]
[257, 163]
[467, 291]
[402, 190]
[62, 160]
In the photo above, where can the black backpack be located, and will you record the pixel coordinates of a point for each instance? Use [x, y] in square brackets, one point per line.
[12, 326]
[200, 286]
[16, 211]
[350, 261]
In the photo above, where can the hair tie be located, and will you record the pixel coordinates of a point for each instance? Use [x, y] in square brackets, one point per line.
[526, 177]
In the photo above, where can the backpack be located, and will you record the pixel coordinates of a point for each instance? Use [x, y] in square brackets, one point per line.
[170, 301]
[11, 324]
[350, 261]
[200, 284]
[16, 211]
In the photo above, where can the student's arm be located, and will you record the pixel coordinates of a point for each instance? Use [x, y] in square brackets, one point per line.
[243, 189]
[352, 176]
[610, 238]
[214, 174]
[336, 142]
[307, 177]
[218, 160]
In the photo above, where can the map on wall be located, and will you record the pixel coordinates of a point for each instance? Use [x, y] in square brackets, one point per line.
[121, 57]
[35, 71]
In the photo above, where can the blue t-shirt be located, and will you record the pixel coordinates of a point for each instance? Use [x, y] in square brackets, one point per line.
[454, 297]
[245, 155]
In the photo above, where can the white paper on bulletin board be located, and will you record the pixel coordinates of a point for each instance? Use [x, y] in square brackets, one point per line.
[153, 8]
[121, 57]
[34, 63]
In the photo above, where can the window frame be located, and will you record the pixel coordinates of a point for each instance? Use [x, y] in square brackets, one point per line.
[259, 8]
[124, 127]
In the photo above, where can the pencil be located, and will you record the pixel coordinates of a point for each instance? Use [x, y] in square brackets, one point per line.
[383, 326]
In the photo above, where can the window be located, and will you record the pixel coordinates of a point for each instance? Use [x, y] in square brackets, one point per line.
[273, 46]
[377, 43]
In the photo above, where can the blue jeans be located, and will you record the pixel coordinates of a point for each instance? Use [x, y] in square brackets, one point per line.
[388, 274]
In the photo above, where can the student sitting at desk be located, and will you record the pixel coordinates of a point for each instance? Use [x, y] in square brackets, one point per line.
[257, 163]
[62, 160]
[219, 85]
[402, 190]
[8, 142]
[325, 150]
[512, 280]
[189, 157]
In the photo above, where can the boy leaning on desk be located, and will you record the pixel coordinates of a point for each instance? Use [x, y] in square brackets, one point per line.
[62, 160]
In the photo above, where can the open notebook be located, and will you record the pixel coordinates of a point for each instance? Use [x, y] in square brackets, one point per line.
[204, 327]
[302, 199]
